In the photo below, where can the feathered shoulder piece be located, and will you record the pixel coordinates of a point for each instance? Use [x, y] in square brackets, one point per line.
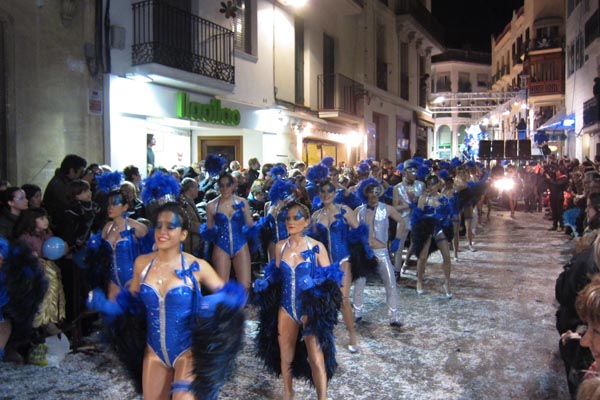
[278, 172]
[214, 164]
[328, 161]
[317, 173]
[109, 181]
[160, 187]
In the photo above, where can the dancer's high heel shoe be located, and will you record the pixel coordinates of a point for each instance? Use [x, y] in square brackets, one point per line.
[448, 293]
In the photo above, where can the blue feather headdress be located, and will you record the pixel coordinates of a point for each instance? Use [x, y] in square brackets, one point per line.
[444, 165]
[422, 172]
[328, 161]
[400, 167]
[363, 168]
[444, 174]
[280, 189]
[455, 162]
[367, 184]
[214, 164]
[317, 173]
[109, 181]
[278, 172]
[160, 187]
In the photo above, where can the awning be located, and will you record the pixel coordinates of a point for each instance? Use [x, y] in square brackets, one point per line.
[560, 121]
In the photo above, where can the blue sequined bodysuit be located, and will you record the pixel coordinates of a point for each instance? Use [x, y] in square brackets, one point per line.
[291, 278]
[276, 226]
[125, 251]
[336, 235]
[230, 234]
[169, 317]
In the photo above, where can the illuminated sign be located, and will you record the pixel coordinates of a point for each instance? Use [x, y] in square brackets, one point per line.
[206, 112]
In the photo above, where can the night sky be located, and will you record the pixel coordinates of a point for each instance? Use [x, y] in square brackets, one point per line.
[470, 23]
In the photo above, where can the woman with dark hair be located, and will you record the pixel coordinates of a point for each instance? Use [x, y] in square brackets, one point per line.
[331, 225]
[228, 219]
[33, 194]
[175, 340]
[299, 299]
[432, 221]
[13, 202]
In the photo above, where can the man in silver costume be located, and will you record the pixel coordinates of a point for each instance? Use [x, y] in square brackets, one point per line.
[406, 193]
[375, 214]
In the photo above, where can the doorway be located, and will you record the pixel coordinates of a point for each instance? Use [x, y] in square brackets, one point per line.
[229, 147]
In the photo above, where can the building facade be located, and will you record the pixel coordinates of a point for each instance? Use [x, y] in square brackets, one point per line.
[528, 56]
[460, 82]
[51, 100]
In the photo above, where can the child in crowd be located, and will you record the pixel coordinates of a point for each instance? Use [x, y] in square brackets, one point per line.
[32, 228]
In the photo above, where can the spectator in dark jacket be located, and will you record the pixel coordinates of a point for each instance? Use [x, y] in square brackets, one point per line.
[557, 182]
[55, 196]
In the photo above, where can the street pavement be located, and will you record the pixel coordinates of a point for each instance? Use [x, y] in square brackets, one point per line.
[494, 340]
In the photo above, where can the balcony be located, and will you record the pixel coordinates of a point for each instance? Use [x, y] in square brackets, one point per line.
[545, 88]
[545, 43]
[414, 16]
[339, 98]
[590, 112]
[171, 37]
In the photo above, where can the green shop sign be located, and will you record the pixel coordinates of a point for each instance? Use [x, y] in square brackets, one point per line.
[211, 112]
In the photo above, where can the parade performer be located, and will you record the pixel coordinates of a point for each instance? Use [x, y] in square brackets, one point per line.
[331, 225]
[112, 251]
[432, 220]
[23, 286]
[282, 192]
[299, 299]
[174, 340]
[375, 215]
[228, 225]
[405, 196]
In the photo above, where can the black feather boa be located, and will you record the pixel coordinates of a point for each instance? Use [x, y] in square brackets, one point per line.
[321, 305]
[215, 343]
[26, 285]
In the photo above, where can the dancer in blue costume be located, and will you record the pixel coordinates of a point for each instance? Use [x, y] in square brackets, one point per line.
[111, 252]
[280, 195]
[332, 224]
[299, 300]
[228, 219]
[191, 339]
[432, 220]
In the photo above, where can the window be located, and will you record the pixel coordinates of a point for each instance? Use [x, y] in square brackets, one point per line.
[404, 70]
[243, 26]
[299, 60]
[464, 82]
[482, 80]
[443, 83]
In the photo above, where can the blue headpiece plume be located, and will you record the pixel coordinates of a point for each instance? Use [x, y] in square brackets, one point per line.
[109, 181]
[160, 187]
[422, 172]
[418, 159]
[471, 164]
[444, 165]
[328, 161]
[366, 184]
[278, 172]
[280, 189]
[370, 161]
[400, 167]
[428, 163]
[214, 164]
[444, 174]
[455, 162]
[317, 173]
[363, 168]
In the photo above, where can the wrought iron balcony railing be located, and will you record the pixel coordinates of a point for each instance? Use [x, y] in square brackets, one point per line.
[169, 36]
[337, 92]
[543, 88]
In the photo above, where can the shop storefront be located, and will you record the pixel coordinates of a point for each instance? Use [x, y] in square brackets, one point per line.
[187, 126]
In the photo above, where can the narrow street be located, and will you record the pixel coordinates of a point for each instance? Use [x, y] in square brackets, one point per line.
[494, 340]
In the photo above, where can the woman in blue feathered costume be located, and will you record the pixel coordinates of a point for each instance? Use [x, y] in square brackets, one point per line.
[112, 251]
[299, 299]
[282, 192]
[432, 221]
[175, 342]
